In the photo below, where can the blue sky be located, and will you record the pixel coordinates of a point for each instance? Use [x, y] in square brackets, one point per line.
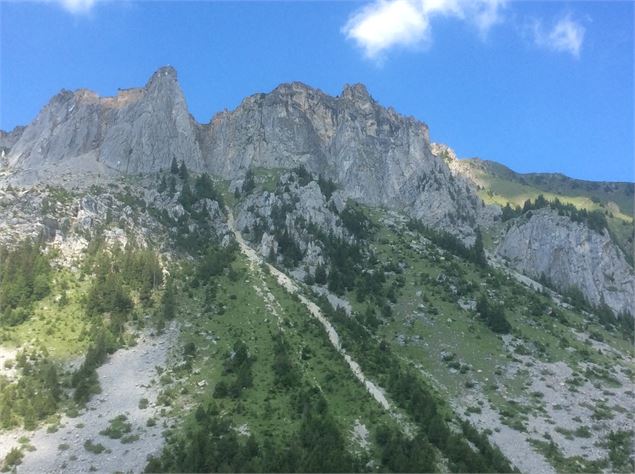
[536, 86]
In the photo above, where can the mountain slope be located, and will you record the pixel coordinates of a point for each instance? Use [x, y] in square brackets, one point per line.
[573, 235]
[253, 382]
[516, 187]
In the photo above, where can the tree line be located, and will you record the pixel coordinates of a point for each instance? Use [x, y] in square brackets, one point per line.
[25, 278]
[595, 219]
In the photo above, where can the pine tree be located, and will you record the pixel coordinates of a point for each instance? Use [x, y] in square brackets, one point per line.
[320, 275]
[477, 251]
[174, 168]
[248, 183]
[186, 198]
[183, 173]
[168, 301]
[163, 185]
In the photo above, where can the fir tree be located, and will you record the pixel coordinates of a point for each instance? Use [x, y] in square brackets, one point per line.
[183, 172]
[163, 185]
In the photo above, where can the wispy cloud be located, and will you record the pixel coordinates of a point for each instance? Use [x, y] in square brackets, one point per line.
[566, 36]
[386, 24]
[76, 6]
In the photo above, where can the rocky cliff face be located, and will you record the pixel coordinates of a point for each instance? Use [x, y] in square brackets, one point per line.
[373, 154]
[570, 255]
[139, 130]
[8, 139]
[376, 155]
[296, 209]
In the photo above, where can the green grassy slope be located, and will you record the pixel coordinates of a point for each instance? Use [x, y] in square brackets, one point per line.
[500, 185]
[249, 307]
[433, 327]
[516, 188]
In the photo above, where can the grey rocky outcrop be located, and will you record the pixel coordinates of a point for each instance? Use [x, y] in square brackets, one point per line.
[138, 131]
[8, 139]
[374, 154]
[570, 254]
[292, 209]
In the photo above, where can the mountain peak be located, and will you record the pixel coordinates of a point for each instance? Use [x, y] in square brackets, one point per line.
[356, 92]
[165, 74]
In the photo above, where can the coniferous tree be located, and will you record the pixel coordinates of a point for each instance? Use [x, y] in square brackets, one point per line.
[174, 168]
[163, 185]
[320, 275]
[168, 301]
[493, 315]
[186, 198]
[477, 251]
[248, 183]
[183, 172]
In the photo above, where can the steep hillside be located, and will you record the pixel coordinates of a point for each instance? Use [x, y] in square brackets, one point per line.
[517, 187]
[575, 237]
[305, 284]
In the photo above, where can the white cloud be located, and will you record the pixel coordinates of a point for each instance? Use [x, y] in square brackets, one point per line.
[488, 14]
[77, 6]
[566, 36]
[385, 24]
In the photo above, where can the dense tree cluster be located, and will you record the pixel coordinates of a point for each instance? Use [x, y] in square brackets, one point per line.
[118, 273]
[204, 189]
[493, 315]
[34, 396]
[25, 275]
[213, 262]
[249, 183]
[84, 379]
[304, 176]
[327, 187]
[623, 322]
[345, 257]
[595, 220]
[192, 230]
[285, 373]
[210, 444]
[452, 244]
[237, 370]
[354, 219]
[417, 399]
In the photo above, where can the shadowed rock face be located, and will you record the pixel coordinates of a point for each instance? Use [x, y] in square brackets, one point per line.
[376, 155]
[570, 254]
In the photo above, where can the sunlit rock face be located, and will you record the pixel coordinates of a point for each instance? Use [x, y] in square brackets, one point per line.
[570, 254]
[376, 155]
[139, 130]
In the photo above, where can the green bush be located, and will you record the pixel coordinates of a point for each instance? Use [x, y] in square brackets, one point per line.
[25, 276]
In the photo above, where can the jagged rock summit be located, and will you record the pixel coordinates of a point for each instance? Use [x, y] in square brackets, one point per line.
[376, 155]
[138, 130]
